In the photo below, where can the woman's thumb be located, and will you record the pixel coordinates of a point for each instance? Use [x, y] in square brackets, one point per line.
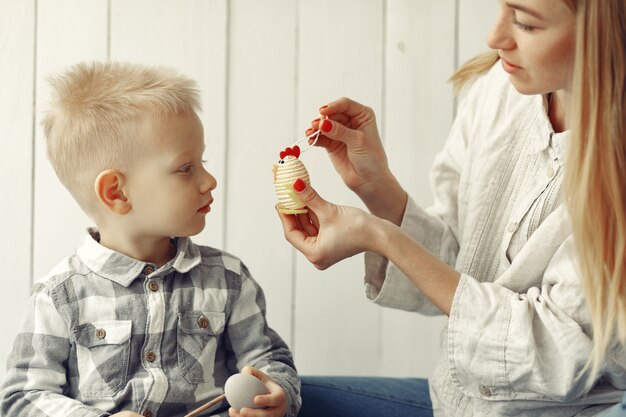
[309, 197]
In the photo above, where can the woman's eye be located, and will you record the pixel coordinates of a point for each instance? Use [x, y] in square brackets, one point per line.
[522, 26]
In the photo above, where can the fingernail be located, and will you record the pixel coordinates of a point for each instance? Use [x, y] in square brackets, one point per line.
[327, 126]
[299, 185]
[309, 131]
[323, 107]
[315, 120]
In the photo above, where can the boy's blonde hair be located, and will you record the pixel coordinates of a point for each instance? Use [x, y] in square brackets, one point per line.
[93, 118]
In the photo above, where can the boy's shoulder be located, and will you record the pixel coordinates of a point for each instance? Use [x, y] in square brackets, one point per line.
[66, 269]
[214, 257]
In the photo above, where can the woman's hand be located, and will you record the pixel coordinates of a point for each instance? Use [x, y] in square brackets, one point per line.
[275, 402]
[329, 233]
[350, 135]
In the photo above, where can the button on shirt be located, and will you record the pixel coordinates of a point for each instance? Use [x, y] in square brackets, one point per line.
[518, 336]
[104, 333]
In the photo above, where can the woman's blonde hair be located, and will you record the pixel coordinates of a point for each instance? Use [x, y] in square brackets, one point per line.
[596, 178]
[595, 181]
[93, 118]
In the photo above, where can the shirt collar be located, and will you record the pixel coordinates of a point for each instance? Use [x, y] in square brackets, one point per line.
[123, 269]
[547, 138]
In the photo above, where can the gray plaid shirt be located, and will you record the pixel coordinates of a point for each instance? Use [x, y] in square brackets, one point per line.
[104, 332]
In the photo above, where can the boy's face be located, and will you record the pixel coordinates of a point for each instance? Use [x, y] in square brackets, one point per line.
[168, 187]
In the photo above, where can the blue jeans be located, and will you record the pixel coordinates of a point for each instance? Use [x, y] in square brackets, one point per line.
[344, 396]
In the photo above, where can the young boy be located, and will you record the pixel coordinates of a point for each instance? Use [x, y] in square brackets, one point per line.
[140, 318]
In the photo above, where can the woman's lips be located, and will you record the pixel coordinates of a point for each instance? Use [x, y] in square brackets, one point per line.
[508, 67]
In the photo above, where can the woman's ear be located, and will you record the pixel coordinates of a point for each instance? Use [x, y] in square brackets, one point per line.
[110, 191]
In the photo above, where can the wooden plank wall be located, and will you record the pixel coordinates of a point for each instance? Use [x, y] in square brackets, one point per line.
[264, 68]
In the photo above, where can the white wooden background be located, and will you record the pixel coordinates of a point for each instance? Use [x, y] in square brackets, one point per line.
[264, 67]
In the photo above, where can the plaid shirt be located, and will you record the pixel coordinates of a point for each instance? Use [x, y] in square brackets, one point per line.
[104, 332]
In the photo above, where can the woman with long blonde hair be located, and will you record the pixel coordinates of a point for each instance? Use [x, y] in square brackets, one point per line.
[524, 248]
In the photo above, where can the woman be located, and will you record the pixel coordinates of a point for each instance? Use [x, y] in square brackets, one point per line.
[530, 196]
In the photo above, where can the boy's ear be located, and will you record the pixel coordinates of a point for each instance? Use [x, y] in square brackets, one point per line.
[110, 191]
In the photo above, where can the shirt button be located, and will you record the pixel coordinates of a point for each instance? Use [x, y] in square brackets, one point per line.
[203, 322]
[484, 391]
[148, 270]
[150, 357]
[101, 334]
[154, 287]
[511, 227]
[549, 172]
[147, 413]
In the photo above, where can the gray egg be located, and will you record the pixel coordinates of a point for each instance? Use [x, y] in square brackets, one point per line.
[240, 390]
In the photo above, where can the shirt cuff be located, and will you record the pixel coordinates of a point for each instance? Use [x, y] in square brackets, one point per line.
[476, 342]
[387, 285]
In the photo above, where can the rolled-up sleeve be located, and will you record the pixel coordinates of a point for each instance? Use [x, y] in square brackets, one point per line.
[522, 345]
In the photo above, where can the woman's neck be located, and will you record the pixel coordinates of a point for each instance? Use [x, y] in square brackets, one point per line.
[557, 110]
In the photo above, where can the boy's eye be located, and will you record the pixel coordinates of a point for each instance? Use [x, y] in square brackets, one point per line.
[185, 169]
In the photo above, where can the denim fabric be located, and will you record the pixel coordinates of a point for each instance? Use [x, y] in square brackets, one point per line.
[619, 410]
[364, 397]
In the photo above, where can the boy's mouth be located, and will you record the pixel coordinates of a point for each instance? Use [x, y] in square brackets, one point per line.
[205, 209]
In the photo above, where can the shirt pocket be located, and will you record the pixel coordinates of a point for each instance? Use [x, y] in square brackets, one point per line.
[197, 339]
[102, 352]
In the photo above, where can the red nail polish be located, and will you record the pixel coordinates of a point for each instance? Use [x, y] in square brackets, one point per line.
[327, 126]
[299, 185]
[315, 120]
[323, 107]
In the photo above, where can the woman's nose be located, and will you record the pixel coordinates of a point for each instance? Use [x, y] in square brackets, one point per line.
[500, 35]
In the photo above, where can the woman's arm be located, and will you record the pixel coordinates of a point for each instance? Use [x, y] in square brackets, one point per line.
[330, 233]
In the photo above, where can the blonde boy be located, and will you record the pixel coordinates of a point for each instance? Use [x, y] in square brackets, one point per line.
[140, 321]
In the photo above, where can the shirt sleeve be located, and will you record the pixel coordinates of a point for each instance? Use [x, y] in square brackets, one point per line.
[36, 375]
[528, 343]
[254, 343]
[435, 228]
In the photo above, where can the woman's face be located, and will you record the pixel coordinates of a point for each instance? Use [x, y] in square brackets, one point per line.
[536, 41]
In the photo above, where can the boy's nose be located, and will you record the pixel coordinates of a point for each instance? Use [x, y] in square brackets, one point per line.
[208, 182]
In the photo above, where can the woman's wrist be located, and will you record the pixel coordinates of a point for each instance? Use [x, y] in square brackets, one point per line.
[385, 198]
[383, 232]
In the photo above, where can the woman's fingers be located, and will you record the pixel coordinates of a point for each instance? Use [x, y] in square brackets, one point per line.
[346, 106]
[313, 201]
[306, 225]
